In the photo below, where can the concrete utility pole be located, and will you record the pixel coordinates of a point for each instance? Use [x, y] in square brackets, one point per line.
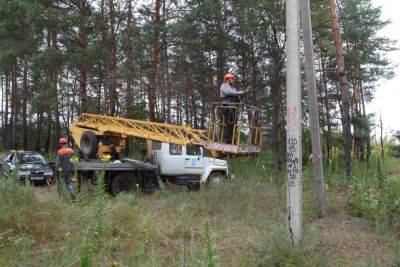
[313, 106]
[293, 142]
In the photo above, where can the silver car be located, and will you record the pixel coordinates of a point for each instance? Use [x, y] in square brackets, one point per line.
[29, 164]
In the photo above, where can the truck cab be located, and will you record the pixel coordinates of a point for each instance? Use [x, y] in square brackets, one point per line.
[183, 165]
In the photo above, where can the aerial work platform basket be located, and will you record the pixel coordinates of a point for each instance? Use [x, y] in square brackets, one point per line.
[246, 135]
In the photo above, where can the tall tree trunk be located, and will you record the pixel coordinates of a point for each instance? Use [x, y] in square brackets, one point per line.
[277, 120]
[169, 87]
[368, 141]
[2, 110]
[24, 107]
[82, 64]
[221, 47]
[344, 91]
[179, 109]
[39, 131]
[168, 82]
[99, 87]
[365, 144]
[203, 113]
[275, 71]
[6, 96]
[328, 133]
[191, 94]
[6, 102]
[54, 77]
[104, 66]
[113, 63]
[48, 134]
[14, 105]
[154, 61]
[129, 68]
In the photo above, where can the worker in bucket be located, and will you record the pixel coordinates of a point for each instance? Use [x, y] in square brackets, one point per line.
[229, 97]
[65, 167]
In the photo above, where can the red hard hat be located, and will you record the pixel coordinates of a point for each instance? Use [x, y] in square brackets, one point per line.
[229, 75]
[63, 141]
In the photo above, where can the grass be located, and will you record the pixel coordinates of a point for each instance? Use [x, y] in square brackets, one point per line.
[239, 223]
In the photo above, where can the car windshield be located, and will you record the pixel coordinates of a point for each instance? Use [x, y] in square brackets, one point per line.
[31, 158]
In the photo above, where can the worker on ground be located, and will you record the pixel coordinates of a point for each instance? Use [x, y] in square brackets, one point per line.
[229, 97]
[64, 167]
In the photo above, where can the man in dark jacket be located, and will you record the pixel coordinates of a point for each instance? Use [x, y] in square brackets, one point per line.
[64, 167]
[229, 97]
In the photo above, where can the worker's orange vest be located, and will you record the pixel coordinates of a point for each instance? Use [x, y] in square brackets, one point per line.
[65, 151]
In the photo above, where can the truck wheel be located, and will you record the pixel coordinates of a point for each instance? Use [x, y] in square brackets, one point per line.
[124, 182]
[89, 144]
[215, 178]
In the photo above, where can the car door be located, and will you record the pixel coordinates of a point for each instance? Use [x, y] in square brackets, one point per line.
[7, 163]
[194, 160]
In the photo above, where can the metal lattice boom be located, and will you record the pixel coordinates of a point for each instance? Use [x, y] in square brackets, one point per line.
[169, 133]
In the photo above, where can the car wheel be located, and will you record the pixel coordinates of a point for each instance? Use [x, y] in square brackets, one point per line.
[124, 182]
[215, 178]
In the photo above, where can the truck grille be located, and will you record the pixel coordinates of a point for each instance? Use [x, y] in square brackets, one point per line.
[37, 173]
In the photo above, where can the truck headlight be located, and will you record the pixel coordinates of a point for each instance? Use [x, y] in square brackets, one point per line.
[23, 173]
[48, 173]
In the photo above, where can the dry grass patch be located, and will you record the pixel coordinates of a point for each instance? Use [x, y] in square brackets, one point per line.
[350, 240]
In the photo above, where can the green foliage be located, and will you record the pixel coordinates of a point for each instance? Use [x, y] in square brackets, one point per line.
[389, 205]
[99, 205]
[363, 198]
[378, 200]
[281, 252]
[210, 259]
[240, 222]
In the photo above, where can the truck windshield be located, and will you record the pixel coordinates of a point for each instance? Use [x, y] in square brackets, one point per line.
[31, 158]
[193, 150]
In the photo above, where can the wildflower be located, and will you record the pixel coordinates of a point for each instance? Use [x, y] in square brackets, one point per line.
[106, 158]
[60, 169]
[67, 233]
[326, 187]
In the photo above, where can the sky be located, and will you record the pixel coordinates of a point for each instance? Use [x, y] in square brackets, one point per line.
[387, 96]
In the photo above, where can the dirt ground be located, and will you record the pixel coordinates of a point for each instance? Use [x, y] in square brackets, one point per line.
[352, 238]
[44, 192]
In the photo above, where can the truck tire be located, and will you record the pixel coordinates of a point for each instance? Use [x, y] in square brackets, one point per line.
[215, 178]
[124, 182]
[89, 144]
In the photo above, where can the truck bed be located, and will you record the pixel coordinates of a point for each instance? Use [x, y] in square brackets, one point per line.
[123, 165]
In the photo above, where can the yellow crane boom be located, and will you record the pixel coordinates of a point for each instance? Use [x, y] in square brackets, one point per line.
[98, 134]
[111, 132]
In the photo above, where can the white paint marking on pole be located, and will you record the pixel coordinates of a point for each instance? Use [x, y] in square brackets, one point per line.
[293, 142]
[313, 106]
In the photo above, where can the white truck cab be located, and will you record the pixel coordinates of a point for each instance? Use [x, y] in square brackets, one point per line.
[180, 164]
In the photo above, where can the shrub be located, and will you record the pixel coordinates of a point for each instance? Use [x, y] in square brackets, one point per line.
[389, 205]
[363, 199]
